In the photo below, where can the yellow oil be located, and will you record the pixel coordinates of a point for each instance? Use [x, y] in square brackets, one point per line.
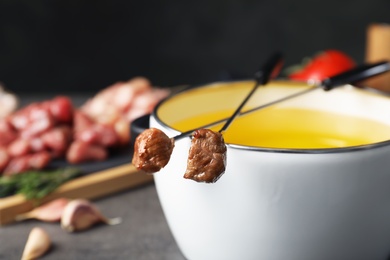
[293, 128]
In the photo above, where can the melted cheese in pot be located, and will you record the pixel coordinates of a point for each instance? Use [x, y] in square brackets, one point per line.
[293, 128]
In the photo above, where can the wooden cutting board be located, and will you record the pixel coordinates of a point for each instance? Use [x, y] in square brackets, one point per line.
[91, 186]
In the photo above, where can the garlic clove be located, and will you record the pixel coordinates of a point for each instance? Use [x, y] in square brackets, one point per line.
[80, 214]
[38, 243]
[48, 212]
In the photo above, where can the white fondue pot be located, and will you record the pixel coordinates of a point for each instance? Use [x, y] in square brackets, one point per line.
[280, 204]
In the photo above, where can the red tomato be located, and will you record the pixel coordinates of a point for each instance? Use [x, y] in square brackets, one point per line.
[324, 65]
[62, 109]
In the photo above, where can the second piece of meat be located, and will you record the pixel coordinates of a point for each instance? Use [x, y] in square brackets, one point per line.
[207, 156]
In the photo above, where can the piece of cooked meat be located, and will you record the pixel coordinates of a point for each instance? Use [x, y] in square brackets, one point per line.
[207, 156]
[152, 150]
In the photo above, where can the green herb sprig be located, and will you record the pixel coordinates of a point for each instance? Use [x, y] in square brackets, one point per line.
[36, 184]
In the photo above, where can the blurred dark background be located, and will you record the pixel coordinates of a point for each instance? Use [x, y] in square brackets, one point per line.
[86, 45]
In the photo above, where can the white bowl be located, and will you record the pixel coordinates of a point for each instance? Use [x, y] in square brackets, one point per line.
[287, 204]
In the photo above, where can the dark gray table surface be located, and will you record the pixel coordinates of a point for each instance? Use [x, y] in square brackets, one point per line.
[143, 233]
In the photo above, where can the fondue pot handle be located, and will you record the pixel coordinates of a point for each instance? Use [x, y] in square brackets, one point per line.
[359, 73]
[138, 125]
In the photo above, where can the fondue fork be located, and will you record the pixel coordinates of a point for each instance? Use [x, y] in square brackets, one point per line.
[269, 70]
[351, 76]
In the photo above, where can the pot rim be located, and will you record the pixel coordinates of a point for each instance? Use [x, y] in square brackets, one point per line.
[278, 150]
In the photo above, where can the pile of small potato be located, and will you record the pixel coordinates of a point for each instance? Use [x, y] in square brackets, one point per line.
[33, 136]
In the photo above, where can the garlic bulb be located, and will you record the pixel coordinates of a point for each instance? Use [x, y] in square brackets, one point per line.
[49, 212]
[80, 214]
[38, 243]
